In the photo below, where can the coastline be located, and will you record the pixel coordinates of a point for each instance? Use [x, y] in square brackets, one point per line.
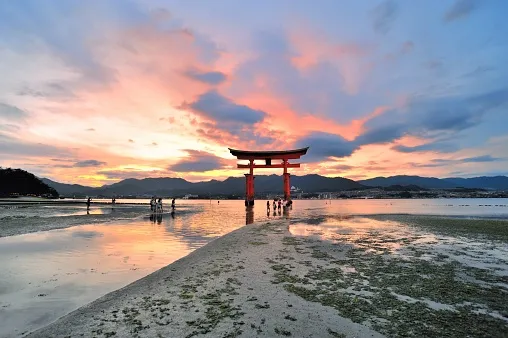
[262, 280]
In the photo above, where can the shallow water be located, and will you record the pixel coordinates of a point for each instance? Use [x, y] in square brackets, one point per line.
[484, 207]
[48, 274]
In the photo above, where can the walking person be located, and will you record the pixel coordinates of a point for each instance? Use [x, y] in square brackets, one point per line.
[173, 204]
[159, 205]
[152, 204]
[88, 202]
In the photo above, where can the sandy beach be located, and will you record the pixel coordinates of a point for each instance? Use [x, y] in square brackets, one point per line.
[303, 278]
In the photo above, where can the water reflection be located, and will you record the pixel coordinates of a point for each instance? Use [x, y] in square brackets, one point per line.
[249, 215]
[157, 218]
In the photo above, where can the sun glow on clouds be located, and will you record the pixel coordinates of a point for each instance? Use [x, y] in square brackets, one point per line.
[140, 93]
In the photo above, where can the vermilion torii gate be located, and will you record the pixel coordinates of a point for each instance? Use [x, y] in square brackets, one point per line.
[267, 156]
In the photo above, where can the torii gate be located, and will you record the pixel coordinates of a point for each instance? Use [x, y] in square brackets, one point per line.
[267, 156]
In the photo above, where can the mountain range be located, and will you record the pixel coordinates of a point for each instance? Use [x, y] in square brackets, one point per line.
[266, 184]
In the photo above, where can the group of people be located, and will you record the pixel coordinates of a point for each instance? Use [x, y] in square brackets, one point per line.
[279, 204]
[156, 205]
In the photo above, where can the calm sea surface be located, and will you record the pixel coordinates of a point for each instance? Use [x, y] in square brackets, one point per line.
[45, 275]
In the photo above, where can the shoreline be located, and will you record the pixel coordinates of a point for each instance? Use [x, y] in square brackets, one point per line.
[189, 303]
[262, 280]
[14, 226]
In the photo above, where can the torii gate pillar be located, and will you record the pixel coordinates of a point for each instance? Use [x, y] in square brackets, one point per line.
[267, 156]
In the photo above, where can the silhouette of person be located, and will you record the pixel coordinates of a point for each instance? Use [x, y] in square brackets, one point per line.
[88, 202]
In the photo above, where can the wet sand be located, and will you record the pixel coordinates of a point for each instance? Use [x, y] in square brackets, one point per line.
[18, 225]
[330, 277]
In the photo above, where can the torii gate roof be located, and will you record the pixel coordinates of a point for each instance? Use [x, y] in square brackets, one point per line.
[261, 155]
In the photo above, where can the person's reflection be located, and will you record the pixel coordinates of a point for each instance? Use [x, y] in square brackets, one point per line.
[173, 214]
[249, 216]
[279, 212]
[268, 213]
[152, 218]
[274, 212]
[159, 218]
[88, 211]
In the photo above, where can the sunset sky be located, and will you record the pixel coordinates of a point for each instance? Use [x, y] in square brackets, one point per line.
[95, 91]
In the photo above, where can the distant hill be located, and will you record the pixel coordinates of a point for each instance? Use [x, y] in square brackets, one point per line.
[168, 186]
[424, 182]
[483, 182]
[491, 183]
[15, 182]
[66, 189]
[231, 186]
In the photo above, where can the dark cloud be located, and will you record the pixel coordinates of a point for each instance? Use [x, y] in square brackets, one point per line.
[212, 78]
[447, 162]
[11, 112]
[223, 110]
[441, 147]
[198, 161]
[460, 9]
[324, 145]
[90, 129]
[89, 163]
[382, 134]
[421, 117]
[432, 115]
[343, 167]
[483, 158]
[383, 16]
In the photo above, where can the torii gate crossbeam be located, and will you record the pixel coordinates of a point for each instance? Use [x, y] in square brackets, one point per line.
[267, 156]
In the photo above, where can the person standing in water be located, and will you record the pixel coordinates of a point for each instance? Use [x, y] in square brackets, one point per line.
[173, 204]
[88, 202]
[159, 205]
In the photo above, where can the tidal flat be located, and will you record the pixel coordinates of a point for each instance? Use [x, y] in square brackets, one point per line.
[374, 276]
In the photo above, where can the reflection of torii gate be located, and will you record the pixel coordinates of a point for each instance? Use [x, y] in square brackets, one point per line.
[267, 156]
